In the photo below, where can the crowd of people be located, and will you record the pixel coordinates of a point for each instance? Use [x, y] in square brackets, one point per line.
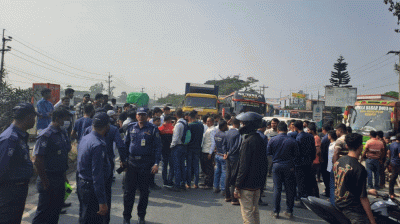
[233, 154]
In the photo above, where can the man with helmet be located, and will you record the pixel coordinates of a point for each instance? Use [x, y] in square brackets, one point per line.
[251, 168]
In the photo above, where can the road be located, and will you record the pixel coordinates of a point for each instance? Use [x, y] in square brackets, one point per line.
[192, 206]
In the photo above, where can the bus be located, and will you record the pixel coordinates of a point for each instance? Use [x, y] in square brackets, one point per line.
[238, 102]
[373, 115]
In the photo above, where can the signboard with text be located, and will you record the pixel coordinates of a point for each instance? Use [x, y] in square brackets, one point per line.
[298, 95]
[317, 114]
[340, 96]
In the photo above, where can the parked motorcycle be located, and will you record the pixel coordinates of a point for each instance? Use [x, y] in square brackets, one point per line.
[385, 210]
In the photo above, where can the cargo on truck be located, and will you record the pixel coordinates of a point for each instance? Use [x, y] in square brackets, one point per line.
[202, 98]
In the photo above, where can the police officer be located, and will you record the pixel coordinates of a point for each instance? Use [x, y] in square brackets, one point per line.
[93, 171]
[143, 141]
[15, 164]
[51, 162]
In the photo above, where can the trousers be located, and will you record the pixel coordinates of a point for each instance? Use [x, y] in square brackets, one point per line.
[249, 206]
[393, 178]
[284, 173]
[88, 203]
[207, 166]
[136, 179]
[193, 160]
[229, 188]
[12, 202]
[50, 200]
[178, 158]
[220, 173]
[372, 166]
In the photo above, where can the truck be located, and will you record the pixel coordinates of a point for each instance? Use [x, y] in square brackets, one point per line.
[240, 101]
[202, 98]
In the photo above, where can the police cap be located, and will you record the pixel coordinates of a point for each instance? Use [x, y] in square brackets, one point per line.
[86, 95]
[22, 110]
[142, 110]
[100, 120]
[249, 116]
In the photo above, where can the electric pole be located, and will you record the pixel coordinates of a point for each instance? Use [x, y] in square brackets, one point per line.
[397, 67]
[142, 89]
[109, 84]
[2, 54]
[263, 89]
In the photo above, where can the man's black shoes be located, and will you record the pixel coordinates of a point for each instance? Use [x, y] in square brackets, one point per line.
[141, 221]
[66, 205]
[127, 221]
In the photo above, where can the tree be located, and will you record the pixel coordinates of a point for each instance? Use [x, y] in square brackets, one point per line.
[231, 84]
[394, 7]
[122, 97]
[96, 88]
[392, 93]
[341, 76]
[174, 99]
[10, 97]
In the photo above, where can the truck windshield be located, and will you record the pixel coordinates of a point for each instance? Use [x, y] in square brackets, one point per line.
[246, 107]
[368, 118]
[209, 103]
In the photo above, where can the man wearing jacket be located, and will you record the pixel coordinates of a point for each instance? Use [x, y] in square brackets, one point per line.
[252, 167]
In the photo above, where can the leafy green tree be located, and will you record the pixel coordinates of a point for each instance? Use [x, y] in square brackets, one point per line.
[392, 93]
[10, 97]
[394, 7]
[122, 97]
[340, 76]
[231, 84]
[96, 88]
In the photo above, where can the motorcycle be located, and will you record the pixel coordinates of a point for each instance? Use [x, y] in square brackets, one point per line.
[385, 210]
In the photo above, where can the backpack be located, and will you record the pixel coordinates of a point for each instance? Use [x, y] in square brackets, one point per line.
[187, 134]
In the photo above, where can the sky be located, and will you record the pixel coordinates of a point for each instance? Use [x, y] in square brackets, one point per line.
[161, 45]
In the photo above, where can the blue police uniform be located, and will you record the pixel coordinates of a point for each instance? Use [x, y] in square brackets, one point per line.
[54, 145]
[15, 171]
[220, 171]
[80, 126]
[284, 151]
[144, 152]
[93, 171]
[233, 141]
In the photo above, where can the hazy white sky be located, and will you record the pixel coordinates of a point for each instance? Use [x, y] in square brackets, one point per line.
[161, 45]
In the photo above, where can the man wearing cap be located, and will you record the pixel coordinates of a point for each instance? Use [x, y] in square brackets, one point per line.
[51, 162]
[113, 117]
[93, 171]
[80, 107]
[44, 107]
[252, 168]
[15, 164]
[144, 144]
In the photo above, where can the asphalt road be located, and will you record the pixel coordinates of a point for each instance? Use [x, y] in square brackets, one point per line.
[192, 206]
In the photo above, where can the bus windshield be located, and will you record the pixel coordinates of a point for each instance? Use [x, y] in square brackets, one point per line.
[208, 103]
[371, 118]
[254, 107]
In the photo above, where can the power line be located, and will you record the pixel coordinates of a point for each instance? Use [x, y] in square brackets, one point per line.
[52, 69]
[370, 62]
[16, 40]
[50, 64]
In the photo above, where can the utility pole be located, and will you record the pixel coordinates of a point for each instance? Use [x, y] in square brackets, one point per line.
[109, 84]
[2, 54]
[397, 67]
[263, 89]
[142, 89]
[154, 97]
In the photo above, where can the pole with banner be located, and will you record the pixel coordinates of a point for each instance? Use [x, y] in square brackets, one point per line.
[317, 114]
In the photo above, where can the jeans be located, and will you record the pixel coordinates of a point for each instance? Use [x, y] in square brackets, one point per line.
[178, 158]
[230, 169]
[393, 178]
[167, 174]
[12, 202]
[136, 178]
[220, 173]
[88, 203]
[193, 160]
[50, 200]
[306, 183]
[326, 176]
[284, 173]
[373, 167]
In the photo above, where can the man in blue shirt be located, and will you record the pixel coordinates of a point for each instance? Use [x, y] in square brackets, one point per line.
[394, 151]
[82, 123]
[284, 151]
[220, 157]
[306, 183]
[144, 144]
[233, 140]
[324, 152]
[15, 164]
[44, 107]
[194, 150]
[51, 162]
[93, 170]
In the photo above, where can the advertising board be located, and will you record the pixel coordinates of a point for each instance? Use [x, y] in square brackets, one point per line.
[317, 114]
[37, 88]
[340, 96]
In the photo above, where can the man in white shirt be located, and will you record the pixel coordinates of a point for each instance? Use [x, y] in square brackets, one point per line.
[68, 93]
[206, 160]
[270, 133]
[178, 152]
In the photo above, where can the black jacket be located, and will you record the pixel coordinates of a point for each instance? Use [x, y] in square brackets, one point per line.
[253, 165]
